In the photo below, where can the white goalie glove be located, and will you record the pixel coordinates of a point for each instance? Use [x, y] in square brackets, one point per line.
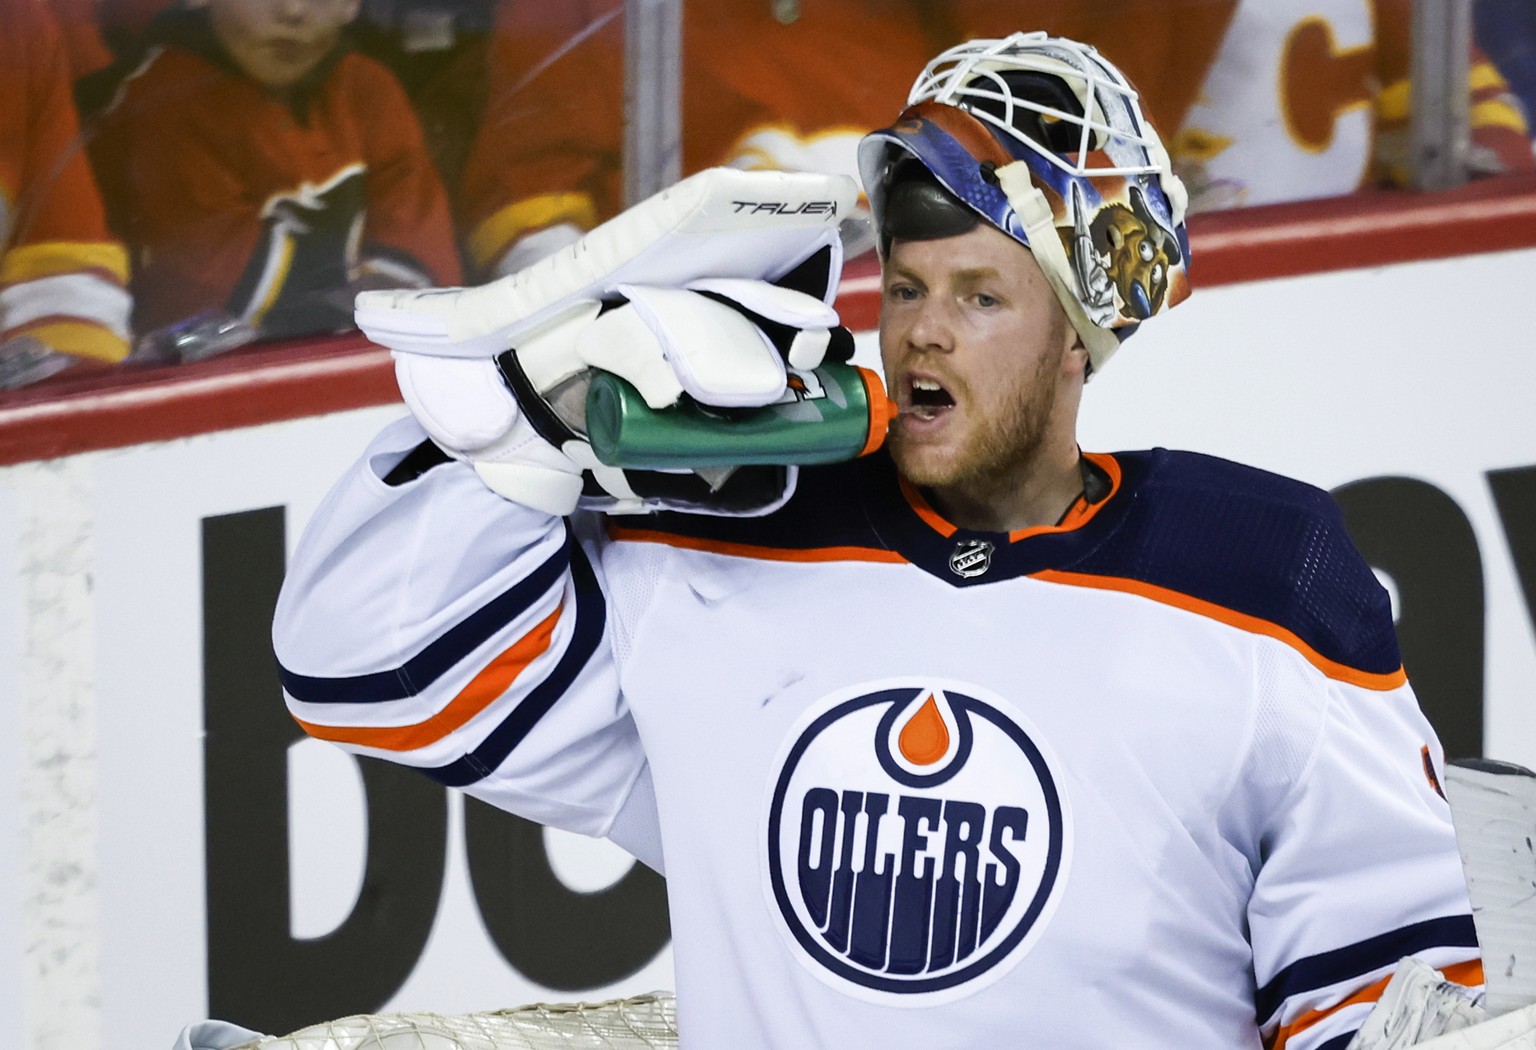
[705, 291]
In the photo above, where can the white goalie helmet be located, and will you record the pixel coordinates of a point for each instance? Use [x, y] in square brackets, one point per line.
[1046, 140]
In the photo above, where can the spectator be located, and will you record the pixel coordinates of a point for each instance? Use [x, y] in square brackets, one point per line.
[80, 25]
[62, 299]
[1506, 30]
[1499, 136]
[780, 85]
[261, 173]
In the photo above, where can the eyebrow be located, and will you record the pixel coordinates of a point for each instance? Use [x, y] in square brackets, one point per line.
[967, 278]
[970, 278]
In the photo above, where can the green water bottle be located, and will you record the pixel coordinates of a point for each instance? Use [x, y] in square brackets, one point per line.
[833, 413]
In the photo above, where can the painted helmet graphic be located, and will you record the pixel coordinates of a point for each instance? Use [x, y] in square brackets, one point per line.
[1046, 141]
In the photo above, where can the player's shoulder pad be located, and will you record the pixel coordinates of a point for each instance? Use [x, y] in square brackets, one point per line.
[1268, 548]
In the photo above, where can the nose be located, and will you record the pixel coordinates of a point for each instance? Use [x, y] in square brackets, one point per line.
[291, 11]
[931, 326]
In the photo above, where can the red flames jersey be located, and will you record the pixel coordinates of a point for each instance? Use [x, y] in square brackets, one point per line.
[234, 200]
[1308, 99]
[1155, 769]
[794, 90]
[61, 273]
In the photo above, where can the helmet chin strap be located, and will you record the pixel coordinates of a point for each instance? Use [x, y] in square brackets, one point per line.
[1173, 186]
[1035, 213]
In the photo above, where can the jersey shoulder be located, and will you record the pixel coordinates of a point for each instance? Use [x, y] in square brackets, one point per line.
[1265, 551]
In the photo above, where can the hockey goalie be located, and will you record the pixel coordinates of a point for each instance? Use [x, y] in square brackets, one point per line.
[968, 738]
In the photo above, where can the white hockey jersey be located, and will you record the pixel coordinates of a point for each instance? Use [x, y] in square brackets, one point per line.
[1149, 778]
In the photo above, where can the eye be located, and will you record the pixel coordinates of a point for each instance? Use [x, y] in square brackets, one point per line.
[904, 293]
[1146, 251]
[987, 302]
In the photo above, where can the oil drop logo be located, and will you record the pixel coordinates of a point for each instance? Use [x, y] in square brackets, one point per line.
[916, 840]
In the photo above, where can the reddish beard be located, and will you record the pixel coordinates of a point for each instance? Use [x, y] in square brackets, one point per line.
[996, 452]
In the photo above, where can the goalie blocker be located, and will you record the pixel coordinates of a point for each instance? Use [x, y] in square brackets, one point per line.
[713, 293]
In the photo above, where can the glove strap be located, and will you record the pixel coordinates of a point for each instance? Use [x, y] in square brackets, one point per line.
[545, 422]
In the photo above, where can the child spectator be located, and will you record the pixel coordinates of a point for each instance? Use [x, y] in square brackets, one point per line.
[261, 173]
[62, 299]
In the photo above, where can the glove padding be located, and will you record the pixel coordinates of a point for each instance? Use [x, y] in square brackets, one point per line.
[520, 418]
[498, 374]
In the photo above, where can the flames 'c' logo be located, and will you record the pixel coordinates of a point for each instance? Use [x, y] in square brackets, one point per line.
[917, 840]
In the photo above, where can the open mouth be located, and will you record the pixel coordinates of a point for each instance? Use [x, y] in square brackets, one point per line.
[927, 398]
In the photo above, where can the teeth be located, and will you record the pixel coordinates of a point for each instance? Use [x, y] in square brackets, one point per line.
[925, 384]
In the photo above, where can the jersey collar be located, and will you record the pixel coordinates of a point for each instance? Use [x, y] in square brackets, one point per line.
[905, 522]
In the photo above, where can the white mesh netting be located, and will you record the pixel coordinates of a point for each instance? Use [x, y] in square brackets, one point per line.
[622, 1024]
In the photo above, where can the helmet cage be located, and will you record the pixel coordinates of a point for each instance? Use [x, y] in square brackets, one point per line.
[1114, 137]
[1076, 210]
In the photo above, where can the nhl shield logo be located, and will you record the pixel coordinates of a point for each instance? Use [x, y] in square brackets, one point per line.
[917, 841]
[971, 558]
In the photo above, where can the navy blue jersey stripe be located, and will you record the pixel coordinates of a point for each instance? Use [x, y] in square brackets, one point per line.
[1341, 964]
[1338, 1042]
[1238, 538]
[421, 670]
[591, 613]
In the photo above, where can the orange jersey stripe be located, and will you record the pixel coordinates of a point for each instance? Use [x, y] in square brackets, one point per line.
[1081, 511]
[1242, 621]
[933, 518]
[1468, 974]
[749, 550]
[1078, 515]
[475, 697]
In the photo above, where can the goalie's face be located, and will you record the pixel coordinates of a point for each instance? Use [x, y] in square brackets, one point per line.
[278, 42]
[986, 371]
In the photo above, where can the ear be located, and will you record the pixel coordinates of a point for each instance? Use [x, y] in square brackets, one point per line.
[1075, 360]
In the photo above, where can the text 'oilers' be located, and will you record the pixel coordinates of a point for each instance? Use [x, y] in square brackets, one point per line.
[916, 841]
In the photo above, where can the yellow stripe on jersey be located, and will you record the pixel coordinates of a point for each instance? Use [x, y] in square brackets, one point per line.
[1485, 75]
[274, 278]
[495, 235]
[1497, 114]
[28, 262]
[81, 338]
[1395, 101]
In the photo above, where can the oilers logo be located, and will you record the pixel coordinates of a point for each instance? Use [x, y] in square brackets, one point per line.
[917, 840]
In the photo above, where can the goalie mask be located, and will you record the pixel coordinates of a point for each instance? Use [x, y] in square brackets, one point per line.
[1045, 140]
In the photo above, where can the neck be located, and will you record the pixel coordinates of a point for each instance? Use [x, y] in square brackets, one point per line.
[1033, 494]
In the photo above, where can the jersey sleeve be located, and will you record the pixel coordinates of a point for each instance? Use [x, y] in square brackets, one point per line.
[408, 232]
[1358, 866]
[434, 624]
[62, 276]
[548, 152]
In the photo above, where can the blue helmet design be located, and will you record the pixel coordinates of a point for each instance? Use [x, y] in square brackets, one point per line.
[1046, 140]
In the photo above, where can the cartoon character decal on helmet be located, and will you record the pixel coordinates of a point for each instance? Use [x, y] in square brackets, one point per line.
[1047, 142]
